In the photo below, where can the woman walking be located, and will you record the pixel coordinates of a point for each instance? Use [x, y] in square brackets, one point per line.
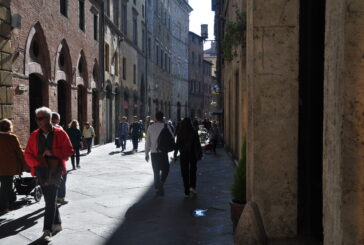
[188, 144]
[11, 163]
[75, 135]
[88, 134]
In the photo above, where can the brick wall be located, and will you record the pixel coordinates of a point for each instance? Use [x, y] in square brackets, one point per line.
[6, 98]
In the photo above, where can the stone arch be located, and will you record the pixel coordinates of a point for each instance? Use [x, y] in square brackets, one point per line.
[37, 59]
[63, 63]
[81, 71]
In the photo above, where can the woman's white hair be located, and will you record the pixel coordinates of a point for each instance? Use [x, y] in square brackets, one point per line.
[45, 110]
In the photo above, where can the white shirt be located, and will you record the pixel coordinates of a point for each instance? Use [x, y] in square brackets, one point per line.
[153, 132]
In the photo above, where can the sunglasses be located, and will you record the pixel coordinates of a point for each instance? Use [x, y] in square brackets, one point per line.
[40, 118]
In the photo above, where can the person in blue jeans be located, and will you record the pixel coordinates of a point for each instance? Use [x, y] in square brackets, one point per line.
[123, 132]
[135, 130]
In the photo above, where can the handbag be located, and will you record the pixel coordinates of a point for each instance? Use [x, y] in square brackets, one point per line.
[49, 172]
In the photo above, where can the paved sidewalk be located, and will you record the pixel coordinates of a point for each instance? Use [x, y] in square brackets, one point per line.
[112, 202]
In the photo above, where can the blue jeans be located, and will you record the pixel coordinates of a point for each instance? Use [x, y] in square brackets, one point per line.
[51, 213]
[89, 144]
[62, 187]
[160, 167]
[122, 139]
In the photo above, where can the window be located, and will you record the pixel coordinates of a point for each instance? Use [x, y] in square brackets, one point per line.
[81, 14]
[143, 40]
[193, 58]
[157, 53]
[134, 74]
[149, 47]
[165, 61]
[115, 8]
[63, 7]
[143, 11]
[124, 24]
[135, 30]
[107, 57]
[169, 64]
[116, 63]
[107, 7]
[161, 58]
[96, 23]
[124, 68]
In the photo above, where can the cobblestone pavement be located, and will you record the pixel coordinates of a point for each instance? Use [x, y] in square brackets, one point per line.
[111, 201]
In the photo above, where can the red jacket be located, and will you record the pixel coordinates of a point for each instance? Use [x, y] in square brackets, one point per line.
[61, 148]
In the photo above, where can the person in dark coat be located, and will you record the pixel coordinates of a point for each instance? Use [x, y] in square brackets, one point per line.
[135, 130]
[75, 135]
[189, 146]
[11, 163]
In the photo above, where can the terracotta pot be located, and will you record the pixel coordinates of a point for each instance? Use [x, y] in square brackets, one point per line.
[236, 209]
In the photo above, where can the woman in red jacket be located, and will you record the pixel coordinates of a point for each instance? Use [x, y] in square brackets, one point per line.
[45, 145]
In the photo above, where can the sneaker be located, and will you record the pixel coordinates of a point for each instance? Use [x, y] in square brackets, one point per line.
[46, 236]
[56, 228]
[193, 190]
[78, 166]
[62, 201]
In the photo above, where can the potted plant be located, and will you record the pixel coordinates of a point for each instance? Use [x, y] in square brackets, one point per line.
[238, 189]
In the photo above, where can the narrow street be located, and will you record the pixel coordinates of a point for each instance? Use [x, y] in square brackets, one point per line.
[111, 201]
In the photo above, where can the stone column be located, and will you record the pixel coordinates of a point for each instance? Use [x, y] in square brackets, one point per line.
[6, 93]
[272, 75]
[343, 152]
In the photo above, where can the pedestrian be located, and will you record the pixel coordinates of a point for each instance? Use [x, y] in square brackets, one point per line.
[11, 163]
[214, 136]
[160, 163]
[135, 130]
[88, 134]
[142, 129]
[123, 132]
[74, 133]
[56, 118]
[46, 153]
[188, 144]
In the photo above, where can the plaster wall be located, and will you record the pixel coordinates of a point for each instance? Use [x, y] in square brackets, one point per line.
[272, 73]
[343, 172]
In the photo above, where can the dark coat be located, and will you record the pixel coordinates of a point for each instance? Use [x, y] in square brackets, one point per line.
[75, 137]
[12, 159]
[189, 144]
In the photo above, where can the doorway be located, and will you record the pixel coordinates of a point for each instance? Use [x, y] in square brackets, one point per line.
[311, 80]
[36, 98]
[81, 105]
[95, 114]
[108, 114]
[63, 99]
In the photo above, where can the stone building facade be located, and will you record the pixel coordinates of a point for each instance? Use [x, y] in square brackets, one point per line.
[124, 62]
[55, 55]
[296, 87]
[195, 76]
[180, 10]
[6, 92]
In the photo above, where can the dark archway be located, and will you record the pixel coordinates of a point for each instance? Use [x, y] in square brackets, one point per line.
[117, 108]
[37, 91]
[81, 105]
[108, 114]
[126, 103]
[142, 98]
[95, 115]
[311, 97]
[64, 102]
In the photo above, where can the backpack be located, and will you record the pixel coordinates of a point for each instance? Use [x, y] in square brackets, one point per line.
[165, 141]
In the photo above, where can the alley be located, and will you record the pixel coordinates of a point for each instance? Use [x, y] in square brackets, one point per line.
[111, 200]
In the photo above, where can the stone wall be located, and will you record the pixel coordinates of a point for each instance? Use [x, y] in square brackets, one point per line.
[343, 166]
[272, 73]
[6, 91]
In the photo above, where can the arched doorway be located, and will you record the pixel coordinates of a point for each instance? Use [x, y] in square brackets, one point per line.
[126, 104]
[108, 113]
[95, 114]
[36, 98]
[117, 108]
[64, 105]
[81, 105]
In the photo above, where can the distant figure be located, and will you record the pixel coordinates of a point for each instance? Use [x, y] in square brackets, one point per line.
[214, 136]
[75, 135]
[11, 163]
[46, 153]
[160, 163]
[135, 131]
[56, 118]
[123, 131]
[88, 134]
[188, 144]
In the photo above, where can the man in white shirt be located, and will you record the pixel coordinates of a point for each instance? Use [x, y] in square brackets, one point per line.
[160, 163]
